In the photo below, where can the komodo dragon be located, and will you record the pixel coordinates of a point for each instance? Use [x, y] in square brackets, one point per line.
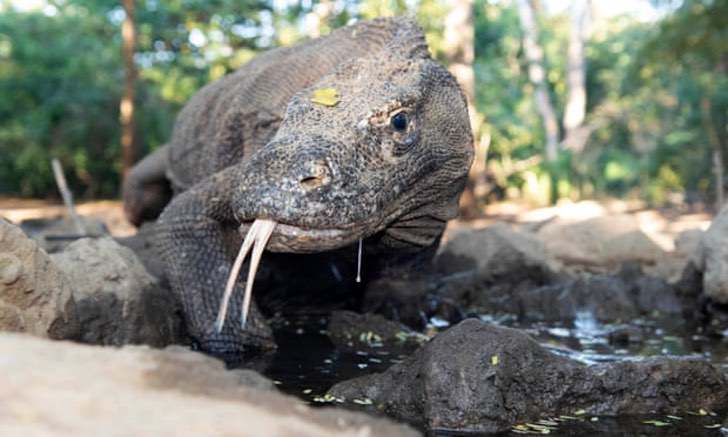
[355, 135]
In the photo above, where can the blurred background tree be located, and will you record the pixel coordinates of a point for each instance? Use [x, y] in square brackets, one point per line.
[570, 98]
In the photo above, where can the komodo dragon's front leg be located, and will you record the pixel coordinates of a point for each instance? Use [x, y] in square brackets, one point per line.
[191, 239]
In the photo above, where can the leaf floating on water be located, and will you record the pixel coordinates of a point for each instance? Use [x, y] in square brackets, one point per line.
[674, 417]
[325, 97]
[713, 426]
[327, 398]
[494, 360]
[523, 429]
[540, 428]
[307, 391]
[579, 412]
[365, 401]
[656, 423]
[594, 419]
[700, 412]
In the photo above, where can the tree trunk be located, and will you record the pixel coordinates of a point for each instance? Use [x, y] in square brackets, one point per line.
[126, 108]
[537, 76]
[575, 110]
[717, 148]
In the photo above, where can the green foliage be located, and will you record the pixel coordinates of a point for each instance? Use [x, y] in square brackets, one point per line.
[657, 93]
[58, 77]
[647, 87]
[61, 74]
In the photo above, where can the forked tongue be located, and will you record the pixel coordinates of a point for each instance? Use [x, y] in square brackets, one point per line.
[257, 237]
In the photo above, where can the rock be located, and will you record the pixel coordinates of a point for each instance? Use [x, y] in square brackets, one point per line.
[624, 335]
[352, 331]
[413, 301]
[35, 296]
[494, 252]
[599, 242]
[608, 297]
[118, 301]
[688, 242]
[62, 388]
[714, 258]
[687, 250]
[54, 234]
[482, 378]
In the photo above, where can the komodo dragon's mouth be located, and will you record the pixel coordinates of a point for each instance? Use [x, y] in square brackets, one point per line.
[278, 237]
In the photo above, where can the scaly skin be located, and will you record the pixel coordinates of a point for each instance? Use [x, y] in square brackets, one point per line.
[387, 163]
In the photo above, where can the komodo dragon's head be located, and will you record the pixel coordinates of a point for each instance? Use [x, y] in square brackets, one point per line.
[381, 145]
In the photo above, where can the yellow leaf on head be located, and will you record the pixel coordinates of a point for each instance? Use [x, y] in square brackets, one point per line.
[325, 96]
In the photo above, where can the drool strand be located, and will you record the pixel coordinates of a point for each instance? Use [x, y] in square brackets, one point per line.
[358, 264]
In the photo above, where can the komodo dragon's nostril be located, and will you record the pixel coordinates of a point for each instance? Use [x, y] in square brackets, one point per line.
[317, 175]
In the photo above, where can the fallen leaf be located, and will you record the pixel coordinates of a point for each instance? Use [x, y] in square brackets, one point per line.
[325, 97]
[656, 423]
[365, 401]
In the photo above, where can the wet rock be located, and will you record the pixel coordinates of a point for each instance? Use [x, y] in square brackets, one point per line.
[413, 301]
[624, 335]
[69, 389]
[486, 267]
[35, 296]
[482, 378]
[118, 301]
[54, 234]
[713, 258]
[494, 252]
[599, 242]
[608, 297]
[352, 331]
[651, 294]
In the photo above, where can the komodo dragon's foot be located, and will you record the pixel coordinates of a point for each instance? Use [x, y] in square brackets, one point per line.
[232, 341]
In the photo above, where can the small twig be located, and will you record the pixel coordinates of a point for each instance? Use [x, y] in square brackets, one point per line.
[66, 195]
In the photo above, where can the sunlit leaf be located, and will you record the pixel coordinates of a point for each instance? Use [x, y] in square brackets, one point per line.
[325, 97]
[658, 423]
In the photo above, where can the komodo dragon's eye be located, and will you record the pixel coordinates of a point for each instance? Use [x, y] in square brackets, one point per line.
[399, 121]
